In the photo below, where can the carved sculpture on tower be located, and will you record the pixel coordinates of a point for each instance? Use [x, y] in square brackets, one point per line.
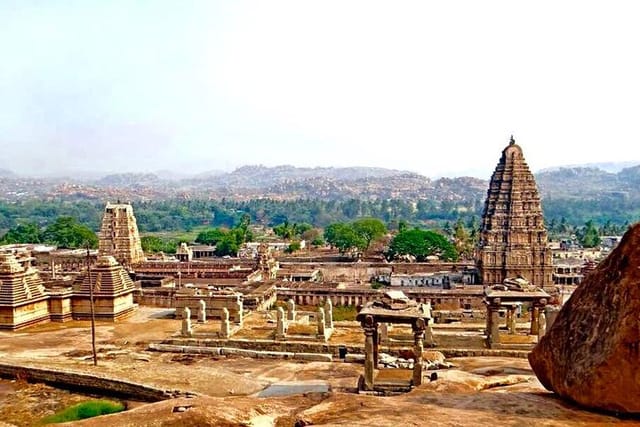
[119, 236]
[513, 238]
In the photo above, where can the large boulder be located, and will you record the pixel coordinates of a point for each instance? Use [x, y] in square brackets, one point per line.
[591, 354]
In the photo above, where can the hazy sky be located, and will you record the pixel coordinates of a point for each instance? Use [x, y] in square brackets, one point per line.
[432, 87]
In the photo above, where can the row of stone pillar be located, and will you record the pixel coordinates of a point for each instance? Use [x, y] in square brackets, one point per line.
[538, 322]
[342, 300]
[324, 318]
[187, 329]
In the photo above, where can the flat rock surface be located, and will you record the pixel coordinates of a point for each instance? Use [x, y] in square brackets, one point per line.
[457, 400]
[591, 354]
[483, 391]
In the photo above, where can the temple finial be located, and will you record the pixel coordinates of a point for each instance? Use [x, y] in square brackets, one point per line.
[512, 141]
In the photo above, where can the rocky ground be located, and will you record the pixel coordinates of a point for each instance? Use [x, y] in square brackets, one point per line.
[478, 391]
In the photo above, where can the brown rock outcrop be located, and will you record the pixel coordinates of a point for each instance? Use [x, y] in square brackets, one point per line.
[591, 354]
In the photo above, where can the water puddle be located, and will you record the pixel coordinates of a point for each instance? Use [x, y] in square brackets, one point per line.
[294, 387]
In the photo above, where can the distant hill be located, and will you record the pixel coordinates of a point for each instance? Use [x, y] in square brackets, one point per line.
[611, 167]
[128, 180]
[584, 183]
[326, 183]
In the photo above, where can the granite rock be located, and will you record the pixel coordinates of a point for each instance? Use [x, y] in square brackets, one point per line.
[591, 354]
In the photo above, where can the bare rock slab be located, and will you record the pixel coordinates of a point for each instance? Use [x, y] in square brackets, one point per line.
[591, 354]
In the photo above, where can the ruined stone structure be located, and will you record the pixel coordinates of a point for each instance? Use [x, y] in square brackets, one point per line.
[499, 299]
[513, 239]
[395, 308]
[112, 292]
[23, 300]
[214, 303]
[119, 236]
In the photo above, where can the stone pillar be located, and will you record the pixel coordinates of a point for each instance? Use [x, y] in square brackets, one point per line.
[511, 325]
[535, 312]
[291, 310]
[321, 323]
[376, 345]
[369, 364]
[239, 307]
[328, 311]
[493, 325]
[418, 337]
[384, 333]
[542, 325]
[281, 328]
[225, 330]
[186, 322]
[429, 338]
[202, 311]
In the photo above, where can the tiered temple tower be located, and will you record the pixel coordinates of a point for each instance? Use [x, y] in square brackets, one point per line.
[513, 239]
[119, 236]
[23, 300]
[112, 292]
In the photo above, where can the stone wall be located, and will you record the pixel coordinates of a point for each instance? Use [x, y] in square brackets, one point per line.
[448, 299]
[21, 316]
[155, 297]
[105, 308]
[87, 382]
[324, 348]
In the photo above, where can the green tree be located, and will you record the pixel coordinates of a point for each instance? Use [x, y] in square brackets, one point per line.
[211, 236]
[421, 244]
[285, 230]
[344, 238]
[228, 246]
[293, 247]
[67, 232]
[369, 229]
[588, 235]
[23, 233]
[157, 244]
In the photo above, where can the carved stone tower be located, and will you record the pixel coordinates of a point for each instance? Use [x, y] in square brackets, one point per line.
[23, 300]
[119, 236]
[513, 239]
[112, 292]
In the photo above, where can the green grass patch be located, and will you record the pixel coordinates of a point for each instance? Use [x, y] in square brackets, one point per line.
[89, 409]
[344, 312]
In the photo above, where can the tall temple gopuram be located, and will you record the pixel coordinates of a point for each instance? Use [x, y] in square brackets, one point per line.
[513, 239]
[119, 236]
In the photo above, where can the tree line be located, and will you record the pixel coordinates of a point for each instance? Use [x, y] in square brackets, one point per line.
[304, 219]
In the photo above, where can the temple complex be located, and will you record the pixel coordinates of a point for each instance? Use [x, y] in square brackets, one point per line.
[513, 238]
[119, 236]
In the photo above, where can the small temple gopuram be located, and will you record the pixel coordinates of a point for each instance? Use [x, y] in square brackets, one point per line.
[23, 299]
[119, 236]
[513, 238]
[112, 292]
